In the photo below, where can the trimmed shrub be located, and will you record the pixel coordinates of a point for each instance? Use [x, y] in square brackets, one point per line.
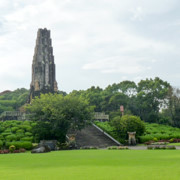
[8, 130]
[28, 134]
[112, 147]
[89, 147]
[20, 131]
[20, 144]
[117, 148]
[27, 139]
[12, 148]
[5, 134]
[155, 139]
[11, 137]
[14, 129]
[26, 127]
[150, 147]
[128, 123]
[2, 129]
[19, 136]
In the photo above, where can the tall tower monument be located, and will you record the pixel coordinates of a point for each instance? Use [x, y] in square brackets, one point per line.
[43, 67]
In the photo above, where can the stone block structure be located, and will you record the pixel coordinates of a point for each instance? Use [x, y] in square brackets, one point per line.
[43, 67]
[101, 116]
[132, 138]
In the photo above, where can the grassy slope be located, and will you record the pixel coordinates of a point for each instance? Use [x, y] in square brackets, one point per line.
[152, 131]
[92, 164]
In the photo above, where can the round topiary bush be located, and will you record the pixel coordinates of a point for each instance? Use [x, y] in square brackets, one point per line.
[11, 137]
[130, 123]
[12, 148]
[20, 131]
[27, 139]
[14, 129]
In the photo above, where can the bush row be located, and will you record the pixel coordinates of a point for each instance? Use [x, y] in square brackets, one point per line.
[117, 148]
[19, 144]
[151, 147]
[146, 138]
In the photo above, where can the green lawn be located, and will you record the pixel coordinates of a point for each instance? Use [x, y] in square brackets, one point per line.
[92, 164]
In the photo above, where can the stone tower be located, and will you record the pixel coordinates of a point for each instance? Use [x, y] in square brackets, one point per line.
[43, 67]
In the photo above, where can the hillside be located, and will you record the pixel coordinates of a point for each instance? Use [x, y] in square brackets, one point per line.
[12, 100]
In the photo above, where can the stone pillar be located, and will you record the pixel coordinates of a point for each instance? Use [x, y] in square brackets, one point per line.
[132, 138]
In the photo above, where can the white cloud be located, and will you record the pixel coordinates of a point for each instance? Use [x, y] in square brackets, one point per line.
[90, 35]
[122, 64]
[137, 14]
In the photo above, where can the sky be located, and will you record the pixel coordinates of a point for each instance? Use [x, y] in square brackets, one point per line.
[95, 42]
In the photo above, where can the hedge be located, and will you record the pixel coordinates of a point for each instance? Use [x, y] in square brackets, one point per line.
[20, 144]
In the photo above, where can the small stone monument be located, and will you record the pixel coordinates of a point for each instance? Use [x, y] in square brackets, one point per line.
[132, 138]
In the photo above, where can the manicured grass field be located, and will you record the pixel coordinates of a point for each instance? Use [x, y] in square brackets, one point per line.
[92, 164]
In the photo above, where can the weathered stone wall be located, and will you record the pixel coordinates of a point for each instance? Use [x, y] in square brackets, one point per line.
[14, 115]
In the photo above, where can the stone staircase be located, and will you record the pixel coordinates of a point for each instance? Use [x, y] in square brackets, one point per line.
[92, 136]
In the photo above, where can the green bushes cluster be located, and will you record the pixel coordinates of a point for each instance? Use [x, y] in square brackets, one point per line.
[17, 133]
[159, 132]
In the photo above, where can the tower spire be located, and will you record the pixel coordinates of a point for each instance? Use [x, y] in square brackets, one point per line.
[43, 67]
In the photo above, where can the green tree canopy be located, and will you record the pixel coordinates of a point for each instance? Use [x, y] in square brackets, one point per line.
[56, 114]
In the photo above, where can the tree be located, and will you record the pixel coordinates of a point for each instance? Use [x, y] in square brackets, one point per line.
[116, 100]
[128, 87]
[56, 114]
[173, 108]
[128, 123]
[151, 97]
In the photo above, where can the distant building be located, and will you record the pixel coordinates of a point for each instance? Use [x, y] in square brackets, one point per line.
[43, 67]
[101, 116]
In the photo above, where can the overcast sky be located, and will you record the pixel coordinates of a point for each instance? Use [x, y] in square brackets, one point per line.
[95, 42]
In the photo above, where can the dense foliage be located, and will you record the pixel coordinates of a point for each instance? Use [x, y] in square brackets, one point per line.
[56, 114]
[153, 100]
[11, 101]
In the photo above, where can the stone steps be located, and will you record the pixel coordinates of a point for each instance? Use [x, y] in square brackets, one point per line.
[91, 136]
